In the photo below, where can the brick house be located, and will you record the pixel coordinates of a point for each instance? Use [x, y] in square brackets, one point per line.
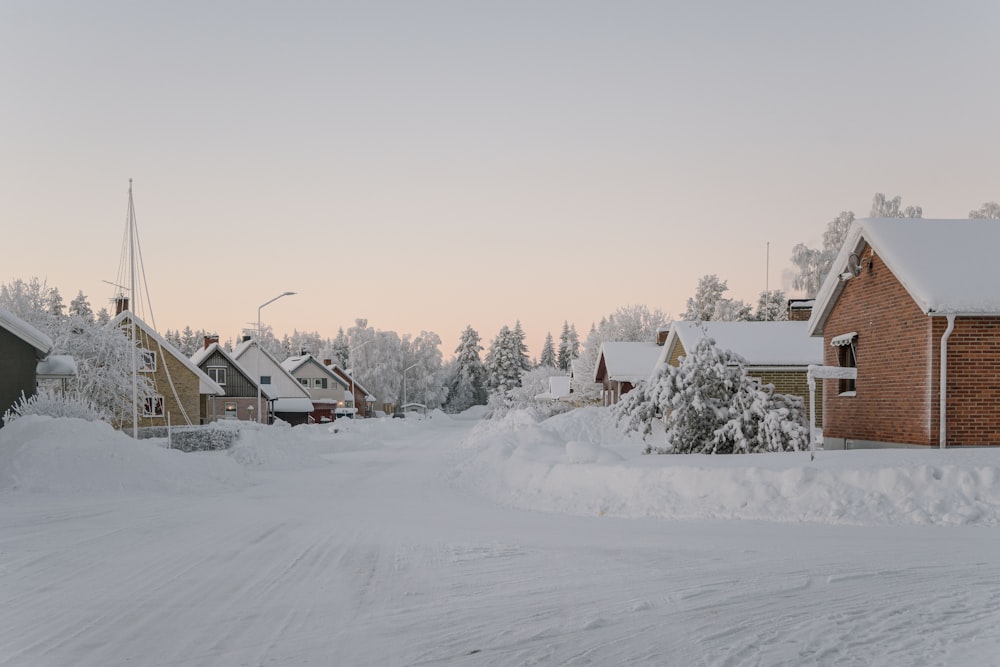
[241, 390]
[777, 353]
[621, 365]
[179, 383]
[914, 306]
[22, 347]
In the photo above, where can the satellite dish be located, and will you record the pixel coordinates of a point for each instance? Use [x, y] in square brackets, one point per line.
[854, 265]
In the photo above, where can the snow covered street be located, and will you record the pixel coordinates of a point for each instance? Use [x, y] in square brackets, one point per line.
[371, 547]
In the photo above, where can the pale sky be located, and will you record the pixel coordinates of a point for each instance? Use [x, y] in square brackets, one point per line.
[431, 165]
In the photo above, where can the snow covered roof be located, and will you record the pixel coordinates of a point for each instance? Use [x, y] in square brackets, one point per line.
[780, 343]
[292, 364]
[627, 361]
[25, 331]
[55, 367]
[291, 383]
[334, 368]
[206, 385]
[948, 267]
[293, 404]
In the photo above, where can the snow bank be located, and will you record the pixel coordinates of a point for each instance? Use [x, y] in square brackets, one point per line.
[44, 454]
[578, 463]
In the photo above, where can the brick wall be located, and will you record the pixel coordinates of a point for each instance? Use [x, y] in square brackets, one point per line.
[793, 383]
[973, 380]
[896, 389]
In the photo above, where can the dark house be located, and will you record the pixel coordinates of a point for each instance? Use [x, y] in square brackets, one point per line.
[240, 399]
[22, 346]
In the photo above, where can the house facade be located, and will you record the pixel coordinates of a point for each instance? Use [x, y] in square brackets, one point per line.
[240, 398]
[326, 389]
[776, 353]
[179, 383]
[363, 402]
[22, 347]
[913, 306]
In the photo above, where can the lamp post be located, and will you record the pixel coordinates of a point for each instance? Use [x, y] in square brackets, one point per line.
[404, 381]
[350, 372]
[259, 349]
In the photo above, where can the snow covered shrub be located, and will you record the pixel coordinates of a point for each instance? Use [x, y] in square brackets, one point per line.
[50, 403]
[709, 405]
[533, 383]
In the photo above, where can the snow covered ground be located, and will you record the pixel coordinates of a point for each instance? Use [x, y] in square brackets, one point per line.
[457, 541]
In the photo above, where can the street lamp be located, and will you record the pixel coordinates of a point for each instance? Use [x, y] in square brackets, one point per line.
[259, 349]
[350, 373]
[404, 382]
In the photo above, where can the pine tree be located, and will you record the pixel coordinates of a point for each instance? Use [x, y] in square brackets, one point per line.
[467, 386]
[523, 361]
[80, 307]
[548, 356]
[503, 361]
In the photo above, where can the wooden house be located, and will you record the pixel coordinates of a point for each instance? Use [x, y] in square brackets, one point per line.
[22, 347]
[241, 390]
[326, 389]
[621, 365]
[913, 307]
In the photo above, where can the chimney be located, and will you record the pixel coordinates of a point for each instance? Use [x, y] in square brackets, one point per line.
[211, 338]
[121, 304]
[328, 362]
[800, 310]
[245, 338]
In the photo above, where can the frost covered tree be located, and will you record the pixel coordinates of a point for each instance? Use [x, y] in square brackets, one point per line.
[426, 381]
[569, 347]
[772, 306]
[340, 348]
[707, 295]
[522, 348]
[883, 207]
[989, 210]
[814, 264]
[633, 323]
[467, 386]
[548, 356]
[710, 405]
[80, 307]
[732, 310]
[504, 363]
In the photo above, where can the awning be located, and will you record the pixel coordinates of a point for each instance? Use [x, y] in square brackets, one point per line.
[844, 339]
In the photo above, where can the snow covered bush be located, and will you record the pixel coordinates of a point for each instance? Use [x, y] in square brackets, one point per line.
[533, 383]
[710, 405]
[49, 403]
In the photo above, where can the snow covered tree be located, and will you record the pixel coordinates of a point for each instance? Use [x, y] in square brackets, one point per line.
[708, 293]
[341, 348]
[710, 405]
[504, 362]
[890, 208]
[467, 386]
[989, 210]
[425, 382]
[548, 356]
[732, 310]
[80, 307]
[814, 263]
[772, 306]
[522, 348]
[569, 347]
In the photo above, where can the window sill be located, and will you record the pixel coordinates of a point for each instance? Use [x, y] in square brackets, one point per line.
[848, 393]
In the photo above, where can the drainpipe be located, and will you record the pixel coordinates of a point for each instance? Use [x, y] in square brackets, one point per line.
[944, 382]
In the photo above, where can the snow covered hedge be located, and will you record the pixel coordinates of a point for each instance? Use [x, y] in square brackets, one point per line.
[710, 405]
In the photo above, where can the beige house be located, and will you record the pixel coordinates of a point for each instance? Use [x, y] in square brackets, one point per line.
[179, 383]
[777, 353]
[326, 389]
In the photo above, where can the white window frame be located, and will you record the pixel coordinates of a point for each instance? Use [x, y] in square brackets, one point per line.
[150, 404]
[217, 372]
[147, 361]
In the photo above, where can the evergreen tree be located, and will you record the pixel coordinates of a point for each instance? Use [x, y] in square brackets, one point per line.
[80, 307]
[569, 347]
[772, 306]
[341, 348]
[467, 386]
[548, 356]
[524, 362]
[702, 306]
[503, 361]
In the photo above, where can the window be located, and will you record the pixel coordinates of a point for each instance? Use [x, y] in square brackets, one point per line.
[217, 373]
[304, 382]
[230, 409]
[323, 380]
[847, 357]
[265, 379]
[147, 361]
[153, 407]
